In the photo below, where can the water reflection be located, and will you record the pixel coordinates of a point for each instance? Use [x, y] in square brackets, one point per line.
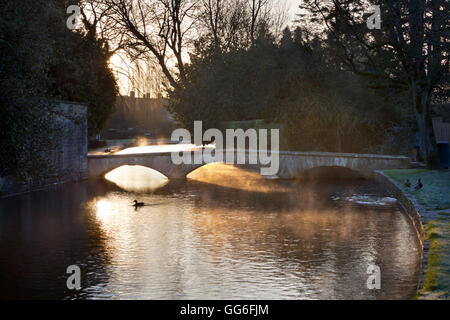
[41, 234]
[137, 178]
[232, 177]
[246, 238]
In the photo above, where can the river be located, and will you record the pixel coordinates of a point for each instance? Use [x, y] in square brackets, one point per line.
[224, 233]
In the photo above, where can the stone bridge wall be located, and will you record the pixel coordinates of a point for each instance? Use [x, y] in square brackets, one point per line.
[70, 158]
[292, 164]
[67, 153]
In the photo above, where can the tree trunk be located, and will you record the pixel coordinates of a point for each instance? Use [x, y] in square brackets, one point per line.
[424, 124]
[338, 138]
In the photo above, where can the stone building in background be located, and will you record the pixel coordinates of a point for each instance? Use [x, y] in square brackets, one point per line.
[139, 116]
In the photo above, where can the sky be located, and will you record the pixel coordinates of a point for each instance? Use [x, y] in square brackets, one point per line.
[293, 7]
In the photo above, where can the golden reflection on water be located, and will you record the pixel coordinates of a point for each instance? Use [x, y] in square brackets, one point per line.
[229, 176]
[137, 178]
[230, 234]
[103, 208]
[203, 240]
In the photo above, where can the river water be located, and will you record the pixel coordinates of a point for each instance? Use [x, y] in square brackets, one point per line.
[224, 233]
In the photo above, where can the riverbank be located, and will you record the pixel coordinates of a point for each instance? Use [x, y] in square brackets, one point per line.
[433, 206]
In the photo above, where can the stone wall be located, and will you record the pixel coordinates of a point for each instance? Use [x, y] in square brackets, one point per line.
[70, 158]
[292, 165]
[66, 153]
[414, 211]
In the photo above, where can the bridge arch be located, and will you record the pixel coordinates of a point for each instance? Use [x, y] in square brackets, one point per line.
[98, 166]
[131, 168]
[291, 164]
[332, 172]
[295, 164]
[136, 178]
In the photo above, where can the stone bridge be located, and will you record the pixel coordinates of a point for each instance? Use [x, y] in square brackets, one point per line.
[291, 164]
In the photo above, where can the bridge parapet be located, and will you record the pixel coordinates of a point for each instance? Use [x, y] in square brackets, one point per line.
[292, 164]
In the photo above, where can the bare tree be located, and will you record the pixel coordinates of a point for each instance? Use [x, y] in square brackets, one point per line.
[418, 37]
[279, 18]
[235, 23]
[256, 8]
[224, 22]
[160, 28]
[164, 31]
[409, 52]
[96, 24]
[213, 18]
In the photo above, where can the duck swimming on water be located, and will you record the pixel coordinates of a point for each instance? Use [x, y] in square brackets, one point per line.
[419, 185]
[138, 204]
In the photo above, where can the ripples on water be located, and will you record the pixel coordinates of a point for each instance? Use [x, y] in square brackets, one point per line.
[222, 234]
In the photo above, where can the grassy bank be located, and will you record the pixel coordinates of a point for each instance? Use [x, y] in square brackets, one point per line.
[435, 194]
[435, 197]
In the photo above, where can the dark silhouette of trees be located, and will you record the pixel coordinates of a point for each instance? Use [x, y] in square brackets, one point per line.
[288, 83]
[409, 53]
[166, 30]
[80, 72]
[42, 61]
